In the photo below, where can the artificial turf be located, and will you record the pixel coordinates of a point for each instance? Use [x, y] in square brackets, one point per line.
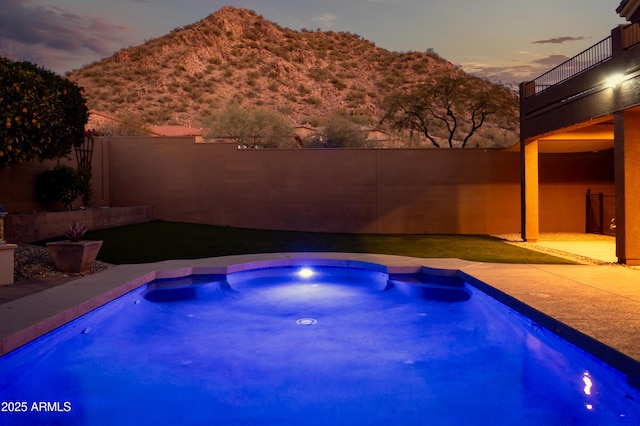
[160, 240]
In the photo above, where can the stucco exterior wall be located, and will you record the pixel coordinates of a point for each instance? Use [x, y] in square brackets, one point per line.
[564, 182]
[364, 191]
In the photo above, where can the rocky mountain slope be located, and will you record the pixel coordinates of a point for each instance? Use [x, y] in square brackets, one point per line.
[235, 54]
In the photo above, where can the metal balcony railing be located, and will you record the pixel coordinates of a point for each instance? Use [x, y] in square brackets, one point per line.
[595, 55]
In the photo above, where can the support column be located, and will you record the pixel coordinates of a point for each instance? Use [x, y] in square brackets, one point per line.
[529, 191]
[627, 176]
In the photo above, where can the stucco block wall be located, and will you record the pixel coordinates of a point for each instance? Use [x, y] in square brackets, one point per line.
[378, 191]
[27, 228]
[442, 191]
[18, 185]
[18, 181]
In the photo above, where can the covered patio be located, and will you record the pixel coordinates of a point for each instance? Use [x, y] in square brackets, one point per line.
[590, 103]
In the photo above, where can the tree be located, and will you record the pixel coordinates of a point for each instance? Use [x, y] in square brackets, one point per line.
[339, 132]
[42, 115]
[449, 106]
[128, 124]
[251, 127]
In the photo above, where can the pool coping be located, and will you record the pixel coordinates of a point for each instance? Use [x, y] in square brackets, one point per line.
[30, 317]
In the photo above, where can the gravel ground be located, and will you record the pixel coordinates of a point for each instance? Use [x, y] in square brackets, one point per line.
[34, 262]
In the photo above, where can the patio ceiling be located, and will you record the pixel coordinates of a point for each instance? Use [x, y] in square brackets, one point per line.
[585, 137]
[597, 137]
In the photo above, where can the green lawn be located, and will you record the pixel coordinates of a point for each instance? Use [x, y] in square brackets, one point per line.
[156, 241]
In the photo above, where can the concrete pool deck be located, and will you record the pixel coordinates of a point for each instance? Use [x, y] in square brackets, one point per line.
[598, 301]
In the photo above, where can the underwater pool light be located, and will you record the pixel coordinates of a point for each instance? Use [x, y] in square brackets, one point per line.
[587, 383]
[306, 273]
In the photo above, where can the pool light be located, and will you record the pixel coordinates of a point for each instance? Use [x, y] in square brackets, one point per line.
[306, 273]
[587, 383]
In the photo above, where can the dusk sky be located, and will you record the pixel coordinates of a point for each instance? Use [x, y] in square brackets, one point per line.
[506, 40]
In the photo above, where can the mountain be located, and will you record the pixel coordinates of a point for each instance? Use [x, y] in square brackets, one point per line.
[235, 54]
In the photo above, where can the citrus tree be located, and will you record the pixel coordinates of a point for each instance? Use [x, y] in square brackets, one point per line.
[42, 115]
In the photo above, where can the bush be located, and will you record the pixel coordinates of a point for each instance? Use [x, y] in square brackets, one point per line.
[339, 132]
[62, 184]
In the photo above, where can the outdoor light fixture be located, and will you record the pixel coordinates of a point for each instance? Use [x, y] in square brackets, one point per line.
[3, 213]
[614, 80]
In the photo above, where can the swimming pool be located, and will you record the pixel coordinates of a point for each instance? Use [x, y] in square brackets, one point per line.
[323, 345]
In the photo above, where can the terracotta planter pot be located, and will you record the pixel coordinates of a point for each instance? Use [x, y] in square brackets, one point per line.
[74, 256]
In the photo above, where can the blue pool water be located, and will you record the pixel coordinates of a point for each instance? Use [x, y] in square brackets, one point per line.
[334, 346]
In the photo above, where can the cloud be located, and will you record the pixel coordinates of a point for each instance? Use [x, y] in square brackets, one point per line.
[507, 73]
[517, 71]
[57, 31]
[17, 53]
[326, 19]
[551, 61]
[559, 40]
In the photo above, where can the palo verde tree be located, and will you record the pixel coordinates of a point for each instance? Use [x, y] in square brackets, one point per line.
[450, 106]
[250, 126]
[42, 115]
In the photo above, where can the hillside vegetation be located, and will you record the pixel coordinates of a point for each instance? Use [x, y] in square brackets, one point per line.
[236, 55]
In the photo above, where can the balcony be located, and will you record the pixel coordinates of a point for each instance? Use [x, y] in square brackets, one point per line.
[597, 54]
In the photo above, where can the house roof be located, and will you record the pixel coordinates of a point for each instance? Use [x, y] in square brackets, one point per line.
[174, 130]
[103, 115]
[96, 117]
[630, 10]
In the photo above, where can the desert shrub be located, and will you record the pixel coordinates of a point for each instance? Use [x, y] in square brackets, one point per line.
[253, 127]
[319, 74]
[313, 100]
[338, 84]
[303, 90]
[338, 132]
[274, 87]
[253, 34]
[62, 184]
[284, 109]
